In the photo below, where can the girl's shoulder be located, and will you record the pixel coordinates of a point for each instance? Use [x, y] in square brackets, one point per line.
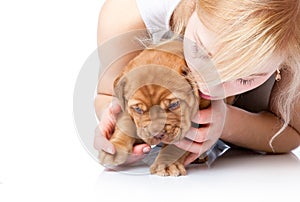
[117, 17]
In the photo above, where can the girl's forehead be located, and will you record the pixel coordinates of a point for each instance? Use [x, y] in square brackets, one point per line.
[266, 68]
[205, 39]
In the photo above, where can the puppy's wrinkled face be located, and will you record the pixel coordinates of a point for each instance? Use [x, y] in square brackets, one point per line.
[159, 115]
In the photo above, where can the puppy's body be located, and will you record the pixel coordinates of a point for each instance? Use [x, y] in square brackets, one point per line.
[159, 97]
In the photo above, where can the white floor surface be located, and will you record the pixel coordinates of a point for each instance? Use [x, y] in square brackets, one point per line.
[236, 176]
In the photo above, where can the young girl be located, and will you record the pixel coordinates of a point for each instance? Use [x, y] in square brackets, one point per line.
[255, 49]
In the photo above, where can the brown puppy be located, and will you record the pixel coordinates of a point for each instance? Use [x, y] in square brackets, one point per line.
[159, 97]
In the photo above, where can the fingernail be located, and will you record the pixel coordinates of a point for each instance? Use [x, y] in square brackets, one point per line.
[114, 102]
[146, 150]
[109, 150]
[110, 104]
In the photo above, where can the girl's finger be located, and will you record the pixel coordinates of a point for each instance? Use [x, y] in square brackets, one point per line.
[101, 143]
[202, 116]
[114, 108]
[197, 134]
[139, 152]
[190, 158]
[189, 145]
[193, 156]
[141, 149]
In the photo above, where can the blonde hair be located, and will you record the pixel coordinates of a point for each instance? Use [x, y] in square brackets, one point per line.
[250, 32]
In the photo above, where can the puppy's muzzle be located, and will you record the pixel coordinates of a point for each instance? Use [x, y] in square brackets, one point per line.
[158, 119]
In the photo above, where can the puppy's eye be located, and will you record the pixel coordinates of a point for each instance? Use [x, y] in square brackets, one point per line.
[174, 105]
[138, 110]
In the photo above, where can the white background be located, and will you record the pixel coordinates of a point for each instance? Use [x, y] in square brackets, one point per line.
[43, 45]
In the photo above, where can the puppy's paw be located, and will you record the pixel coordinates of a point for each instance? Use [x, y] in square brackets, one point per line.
[116, 159]
[174, 169]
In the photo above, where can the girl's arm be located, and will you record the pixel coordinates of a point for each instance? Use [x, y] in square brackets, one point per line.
[117, 28]
[116, 19]
[255, 130]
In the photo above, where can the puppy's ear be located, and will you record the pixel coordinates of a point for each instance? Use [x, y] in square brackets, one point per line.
[119, 87]
[117, 79]
[187, 74]
[203, 103]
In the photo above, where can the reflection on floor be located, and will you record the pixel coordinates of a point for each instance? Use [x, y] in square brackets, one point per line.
[237, 175]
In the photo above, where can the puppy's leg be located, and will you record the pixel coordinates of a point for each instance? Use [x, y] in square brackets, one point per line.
[123, 139]
[169, 162]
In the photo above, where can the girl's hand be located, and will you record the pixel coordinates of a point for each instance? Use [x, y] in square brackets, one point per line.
[105, 129]
[199, 140]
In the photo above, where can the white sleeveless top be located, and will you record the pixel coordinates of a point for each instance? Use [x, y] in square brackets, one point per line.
[156, 15]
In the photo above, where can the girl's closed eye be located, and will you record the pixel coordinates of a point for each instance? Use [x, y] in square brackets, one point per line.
[245, 81]
[253, 79]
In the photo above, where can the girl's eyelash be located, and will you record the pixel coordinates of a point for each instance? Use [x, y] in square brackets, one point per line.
[245, 81]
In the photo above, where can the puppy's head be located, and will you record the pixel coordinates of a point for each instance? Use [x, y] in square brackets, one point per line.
[159, 114]
[158, 93]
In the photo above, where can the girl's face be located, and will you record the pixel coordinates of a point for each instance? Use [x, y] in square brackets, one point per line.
[197, 35]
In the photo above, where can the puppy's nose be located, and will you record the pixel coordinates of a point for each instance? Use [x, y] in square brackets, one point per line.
[160, 135]
[158, 120]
